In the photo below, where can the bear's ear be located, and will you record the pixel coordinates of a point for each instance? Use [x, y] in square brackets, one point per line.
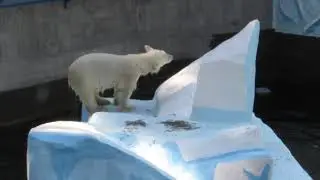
[147, 48]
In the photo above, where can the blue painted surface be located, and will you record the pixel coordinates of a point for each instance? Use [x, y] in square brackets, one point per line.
[300, 17]
[250, 66]
[203, 113]
[60, 154]
[263, 176]
[207, 114]
[204, 169]
[84, 114]
[66, 151]
[13, 3]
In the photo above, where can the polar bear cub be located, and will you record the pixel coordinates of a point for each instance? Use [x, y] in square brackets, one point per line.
[92, 73]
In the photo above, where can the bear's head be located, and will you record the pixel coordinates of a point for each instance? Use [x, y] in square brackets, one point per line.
[159, 58]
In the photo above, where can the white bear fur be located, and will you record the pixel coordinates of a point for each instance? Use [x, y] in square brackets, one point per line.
[92, 73]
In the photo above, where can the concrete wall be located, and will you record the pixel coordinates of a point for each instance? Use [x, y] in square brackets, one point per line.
[38, 42]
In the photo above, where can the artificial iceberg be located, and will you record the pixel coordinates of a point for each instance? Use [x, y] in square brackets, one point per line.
[199, 126]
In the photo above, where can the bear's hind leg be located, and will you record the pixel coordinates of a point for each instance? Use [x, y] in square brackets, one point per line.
[101, 101]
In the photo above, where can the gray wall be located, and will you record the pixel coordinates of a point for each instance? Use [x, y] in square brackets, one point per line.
[38, 42]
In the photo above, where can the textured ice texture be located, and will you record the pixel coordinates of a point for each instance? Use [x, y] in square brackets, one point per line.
[219, 85]
[126, 146]
[297, 17]
[77, 151]
[181, 142]
[242, 170]
[112, 146]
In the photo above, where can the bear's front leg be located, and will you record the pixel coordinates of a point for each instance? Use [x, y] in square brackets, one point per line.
[121, 97]
[123, 92]
[116, 96]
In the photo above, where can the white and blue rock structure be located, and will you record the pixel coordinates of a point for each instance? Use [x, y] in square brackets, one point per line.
[199, 126]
